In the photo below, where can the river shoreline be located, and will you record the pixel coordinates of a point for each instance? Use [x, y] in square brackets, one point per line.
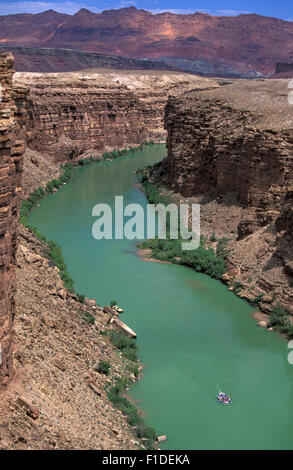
[262, 316]
[184, 322]
[49, 187]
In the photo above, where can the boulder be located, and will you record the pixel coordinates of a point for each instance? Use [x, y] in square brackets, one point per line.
[62, 293]
[30, 409]
[110, 311]
[123, 328]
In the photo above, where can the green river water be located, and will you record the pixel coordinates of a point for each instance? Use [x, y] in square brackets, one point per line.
[194, 336]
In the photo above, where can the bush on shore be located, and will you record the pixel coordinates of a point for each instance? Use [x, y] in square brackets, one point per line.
[104, 367]
[127, 346]
[134, 419]
[201, 260]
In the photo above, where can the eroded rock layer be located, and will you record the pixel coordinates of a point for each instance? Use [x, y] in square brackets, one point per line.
[11, 151]
[244, 45]
[237, 140]
[72, 113]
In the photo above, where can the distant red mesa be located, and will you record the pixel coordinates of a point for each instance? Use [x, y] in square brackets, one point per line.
[246, 45]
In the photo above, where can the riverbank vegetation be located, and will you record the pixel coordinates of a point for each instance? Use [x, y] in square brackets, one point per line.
[203, 259]
[28, 204]
[111, 155]
[144, 432]
[210, 261]
[281, 320]
[127, 346]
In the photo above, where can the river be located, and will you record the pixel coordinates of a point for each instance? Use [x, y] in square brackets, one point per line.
[195, 337]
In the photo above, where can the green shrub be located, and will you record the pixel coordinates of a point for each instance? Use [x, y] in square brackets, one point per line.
[287, 328]
[237, 287]
[142, 430]
[201, 260]
[55, 253]
[88, 318]
[256, 300]
[222, 250]
[278, 316]
[213, 237]
[104, 367]
[127, 346]
[133, 368]
[80, 298]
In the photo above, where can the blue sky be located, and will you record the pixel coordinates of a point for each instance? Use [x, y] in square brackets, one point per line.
[281, 9]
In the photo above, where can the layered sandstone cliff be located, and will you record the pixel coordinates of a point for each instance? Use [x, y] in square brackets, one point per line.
[11, 151]
[53, 394]
[231, 148]
[73, 113]
[283, 70]
[31, 59]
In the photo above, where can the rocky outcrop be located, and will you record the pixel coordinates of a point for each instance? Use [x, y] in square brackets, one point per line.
[283, 70]
[11, 151]
[73, 113]
[237, 141]
[53, 395]
[30, 59]
[58, 398]
[284, 226]
[244, 45]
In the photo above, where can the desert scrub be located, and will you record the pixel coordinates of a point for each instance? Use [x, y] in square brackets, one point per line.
[278, 316]
[134, 419]
[104, 367]
[213, 237]
[133, 368]
[127, 346]
[103, 332]
[87, 317]
[237, 287]
[222, 250]
[281, 320]
[202, 259]
[111, 155]
[256, 300]
[80, 298]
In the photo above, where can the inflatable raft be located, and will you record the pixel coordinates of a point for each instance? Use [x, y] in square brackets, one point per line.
[224, 399]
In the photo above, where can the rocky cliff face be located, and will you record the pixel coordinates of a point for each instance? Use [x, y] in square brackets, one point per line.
[53, 395]
[73, 113]
[29, 59]
[283, 70]
[237, 140]
[245, 45]
[11, 150]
